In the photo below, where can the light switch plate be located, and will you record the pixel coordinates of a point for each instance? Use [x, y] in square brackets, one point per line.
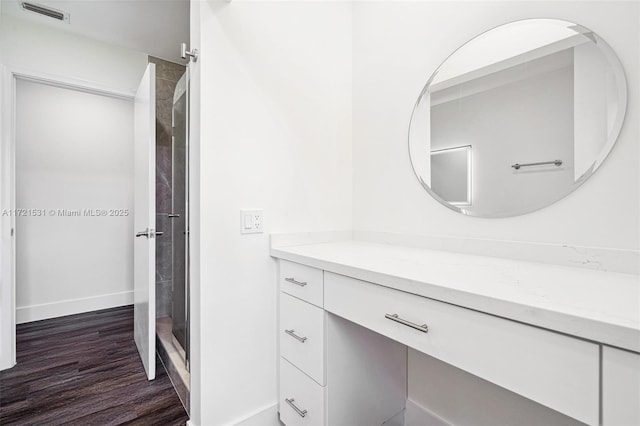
[251, 221]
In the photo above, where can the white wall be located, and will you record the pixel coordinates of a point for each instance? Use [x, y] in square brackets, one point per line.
[397, 45]
[460, 398]
[195, 341]
[275, 134]
[302, 100]
[72, 160]
[43, 50]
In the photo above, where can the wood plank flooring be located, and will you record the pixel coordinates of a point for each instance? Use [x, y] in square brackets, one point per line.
[85, 370]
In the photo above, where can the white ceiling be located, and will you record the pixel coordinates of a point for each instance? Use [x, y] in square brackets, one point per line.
[155, 27]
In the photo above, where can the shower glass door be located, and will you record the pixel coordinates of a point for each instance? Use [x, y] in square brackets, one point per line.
[179, 223]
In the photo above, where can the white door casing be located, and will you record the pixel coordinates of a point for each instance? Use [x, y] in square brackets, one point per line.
[7, 225]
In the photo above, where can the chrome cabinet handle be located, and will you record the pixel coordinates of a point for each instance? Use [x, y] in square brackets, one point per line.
[301, 413]
[172, 215]
[394, 317]
[293, 281]
[295, 336]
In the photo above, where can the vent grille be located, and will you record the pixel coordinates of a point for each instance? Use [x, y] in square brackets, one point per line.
[46, 11]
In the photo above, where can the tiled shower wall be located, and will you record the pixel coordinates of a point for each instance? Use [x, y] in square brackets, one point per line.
[167, 75]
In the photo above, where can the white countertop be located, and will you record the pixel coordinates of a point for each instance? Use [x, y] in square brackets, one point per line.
[594, 305]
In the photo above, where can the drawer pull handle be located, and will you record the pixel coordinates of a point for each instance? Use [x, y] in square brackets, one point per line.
[301, 413]
[394, 317]
[295, 336]
[293, 281]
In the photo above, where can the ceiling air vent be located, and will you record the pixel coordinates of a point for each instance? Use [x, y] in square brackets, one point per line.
[46, 11]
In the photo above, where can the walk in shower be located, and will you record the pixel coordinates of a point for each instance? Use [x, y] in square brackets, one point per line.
[172, 253]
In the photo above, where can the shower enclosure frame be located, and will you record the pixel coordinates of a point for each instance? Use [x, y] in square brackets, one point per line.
[186, 275]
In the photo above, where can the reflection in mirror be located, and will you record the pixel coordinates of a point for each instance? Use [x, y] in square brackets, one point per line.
[541, 102]
[451, 174]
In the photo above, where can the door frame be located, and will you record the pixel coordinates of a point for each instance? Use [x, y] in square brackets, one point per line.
[10, 75]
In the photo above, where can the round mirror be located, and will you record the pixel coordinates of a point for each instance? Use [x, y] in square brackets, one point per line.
[517, 118]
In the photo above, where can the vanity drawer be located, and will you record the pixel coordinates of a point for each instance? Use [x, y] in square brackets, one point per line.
[557, 371]
[620, 387]
[302, 336]
[301, 400]
[303, 282]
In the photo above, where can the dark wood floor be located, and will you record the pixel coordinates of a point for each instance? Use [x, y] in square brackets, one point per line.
[84, 370]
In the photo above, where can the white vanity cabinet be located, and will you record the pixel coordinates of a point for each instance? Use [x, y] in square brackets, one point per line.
[302, 339]
[301, 400]
[345, 328]
[620, 387]
[302, 282]
[301, 326]
[555, 370]
[332, 372]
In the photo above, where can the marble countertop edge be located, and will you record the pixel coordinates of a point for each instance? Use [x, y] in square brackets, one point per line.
[598, 325]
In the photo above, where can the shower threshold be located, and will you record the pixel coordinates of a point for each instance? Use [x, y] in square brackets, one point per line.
[173, 357]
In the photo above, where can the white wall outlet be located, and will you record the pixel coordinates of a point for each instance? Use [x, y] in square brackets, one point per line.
[251, 221]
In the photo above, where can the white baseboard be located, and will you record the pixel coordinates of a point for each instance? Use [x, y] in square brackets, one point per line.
[74, 306]
[414, 415]
[265, 416]
[417, 415]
